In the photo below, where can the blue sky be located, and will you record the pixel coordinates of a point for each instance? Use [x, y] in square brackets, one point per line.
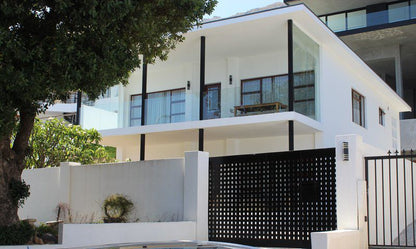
[227, 8]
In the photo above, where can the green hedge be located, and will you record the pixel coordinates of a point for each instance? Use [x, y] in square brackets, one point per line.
[16, 234]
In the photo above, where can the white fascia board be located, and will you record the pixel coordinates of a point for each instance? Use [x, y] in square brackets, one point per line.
[247, 17]
[212, 123]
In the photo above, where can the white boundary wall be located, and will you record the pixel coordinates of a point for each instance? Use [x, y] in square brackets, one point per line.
[82, 235]
[156, 187]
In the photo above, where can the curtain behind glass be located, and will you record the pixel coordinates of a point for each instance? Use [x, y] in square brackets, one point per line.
[158, 108]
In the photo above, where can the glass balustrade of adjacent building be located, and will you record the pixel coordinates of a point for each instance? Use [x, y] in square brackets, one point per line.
[366, 17]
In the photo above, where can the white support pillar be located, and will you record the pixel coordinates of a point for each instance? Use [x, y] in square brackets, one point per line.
[350, 186]
[196, 191]
[65, 181]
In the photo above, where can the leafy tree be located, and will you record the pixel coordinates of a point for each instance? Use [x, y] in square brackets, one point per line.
[55, 141]
[50, 48]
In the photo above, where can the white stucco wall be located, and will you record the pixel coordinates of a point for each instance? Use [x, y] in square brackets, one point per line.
[44, 193]
[337, 81]
[99, 234]
[155, 187]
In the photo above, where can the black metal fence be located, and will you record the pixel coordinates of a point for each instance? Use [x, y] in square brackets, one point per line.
[274, 199]
[391, 200]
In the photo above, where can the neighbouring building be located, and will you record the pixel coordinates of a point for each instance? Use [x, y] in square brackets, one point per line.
[273, 80]
[383, 34]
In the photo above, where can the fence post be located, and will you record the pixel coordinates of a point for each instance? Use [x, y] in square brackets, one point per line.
[196, 191]
[350, 185]
[65, 181]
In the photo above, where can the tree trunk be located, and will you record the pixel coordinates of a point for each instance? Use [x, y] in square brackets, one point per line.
[12, 165]
[8, 214]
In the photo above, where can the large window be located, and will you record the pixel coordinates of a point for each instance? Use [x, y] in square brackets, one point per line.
[265, 90]
[358, 102]
[161, 107]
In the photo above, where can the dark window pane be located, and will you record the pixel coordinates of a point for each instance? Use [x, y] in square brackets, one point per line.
[251, 86]
[251, 99]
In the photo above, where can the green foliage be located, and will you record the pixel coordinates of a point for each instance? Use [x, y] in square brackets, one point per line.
[111, 151]
[56, 141]
[16, 234]
[116, 208]
[51, 48]
[18, 192]
[44, 229]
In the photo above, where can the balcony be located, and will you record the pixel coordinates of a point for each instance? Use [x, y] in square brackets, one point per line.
[245, 75]
[370, 17]
[262, 95]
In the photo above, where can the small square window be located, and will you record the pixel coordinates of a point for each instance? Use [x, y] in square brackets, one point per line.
[381, 116]
[358, 102]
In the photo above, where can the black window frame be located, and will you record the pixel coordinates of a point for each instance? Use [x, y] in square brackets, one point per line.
[133, 107]
[361, 102]
[381, 117]
[171, 92]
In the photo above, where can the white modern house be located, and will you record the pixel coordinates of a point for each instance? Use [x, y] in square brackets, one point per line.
[274, 80]
[289, 115]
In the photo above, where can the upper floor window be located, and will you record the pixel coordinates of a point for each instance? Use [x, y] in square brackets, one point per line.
[136, 110]
[161, 107]
[264, 90]
[358, 102]
[381, 116]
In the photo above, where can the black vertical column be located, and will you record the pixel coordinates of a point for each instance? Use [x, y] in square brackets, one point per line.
[291, 82]
[78, 116]
[143, 117]
[201, 93]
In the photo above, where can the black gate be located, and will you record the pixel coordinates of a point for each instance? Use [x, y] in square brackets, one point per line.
[391, 201]
[273, 199]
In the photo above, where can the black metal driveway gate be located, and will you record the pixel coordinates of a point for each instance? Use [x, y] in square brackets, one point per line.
[273, 199]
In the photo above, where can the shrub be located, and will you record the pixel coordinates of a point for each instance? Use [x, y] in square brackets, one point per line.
[18, 192]
[16, 234]
[44, 229]
[116, 208]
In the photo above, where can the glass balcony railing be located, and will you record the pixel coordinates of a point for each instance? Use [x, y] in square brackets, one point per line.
[362, 18]
[257, 96]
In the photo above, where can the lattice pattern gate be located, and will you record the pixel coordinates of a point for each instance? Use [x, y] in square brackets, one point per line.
[273, 199]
